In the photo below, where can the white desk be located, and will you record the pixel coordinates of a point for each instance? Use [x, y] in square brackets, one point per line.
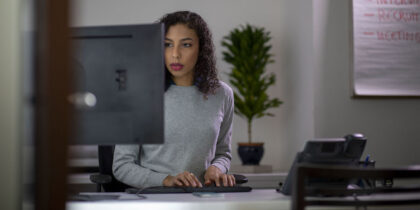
[256, 199]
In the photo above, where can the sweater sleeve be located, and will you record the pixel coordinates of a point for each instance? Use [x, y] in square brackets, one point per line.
[223, 154]
[126, 168]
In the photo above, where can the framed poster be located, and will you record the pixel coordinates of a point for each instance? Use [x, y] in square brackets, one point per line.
[386, 48]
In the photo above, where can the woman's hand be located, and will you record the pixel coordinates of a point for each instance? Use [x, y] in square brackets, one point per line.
[185, 178]
[214, 174]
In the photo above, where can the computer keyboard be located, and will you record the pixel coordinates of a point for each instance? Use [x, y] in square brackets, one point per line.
[164, 190]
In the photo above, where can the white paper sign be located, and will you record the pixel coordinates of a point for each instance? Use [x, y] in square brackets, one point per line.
[386, 38]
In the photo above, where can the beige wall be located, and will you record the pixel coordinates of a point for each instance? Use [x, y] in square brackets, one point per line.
[9, 105]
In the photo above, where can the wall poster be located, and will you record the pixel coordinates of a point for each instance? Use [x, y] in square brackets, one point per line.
[386, 53]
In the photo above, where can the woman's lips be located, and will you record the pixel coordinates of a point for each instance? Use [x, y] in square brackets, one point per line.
[176, 66]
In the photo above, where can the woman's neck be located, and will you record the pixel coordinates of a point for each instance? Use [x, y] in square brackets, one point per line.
[183, 81]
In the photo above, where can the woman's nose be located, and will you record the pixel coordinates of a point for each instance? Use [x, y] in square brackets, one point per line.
[176, 53]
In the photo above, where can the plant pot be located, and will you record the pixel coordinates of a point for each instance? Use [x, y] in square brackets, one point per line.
[250, 153]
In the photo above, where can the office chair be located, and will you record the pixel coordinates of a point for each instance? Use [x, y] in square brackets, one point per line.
[335, 196]
[105, 179]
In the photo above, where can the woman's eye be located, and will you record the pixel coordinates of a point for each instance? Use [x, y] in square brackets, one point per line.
[187, 45]
[168, 45]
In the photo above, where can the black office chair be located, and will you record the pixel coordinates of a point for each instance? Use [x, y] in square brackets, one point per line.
[300, 191]
[105, 179]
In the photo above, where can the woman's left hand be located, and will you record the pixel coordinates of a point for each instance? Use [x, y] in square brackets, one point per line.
[214, 174]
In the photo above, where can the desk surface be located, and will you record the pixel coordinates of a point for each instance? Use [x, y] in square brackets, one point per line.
[256, 199]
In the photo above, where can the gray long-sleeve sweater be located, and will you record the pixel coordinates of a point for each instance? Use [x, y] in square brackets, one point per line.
[197, 135]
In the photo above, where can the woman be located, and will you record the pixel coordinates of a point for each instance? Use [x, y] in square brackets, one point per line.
[198, 116]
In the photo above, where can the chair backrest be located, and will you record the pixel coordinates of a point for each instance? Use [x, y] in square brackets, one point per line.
[106, 158]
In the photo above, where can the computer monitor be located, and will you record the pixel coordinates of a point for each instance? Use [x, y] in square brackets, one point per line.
[336, 151]
[119, 84]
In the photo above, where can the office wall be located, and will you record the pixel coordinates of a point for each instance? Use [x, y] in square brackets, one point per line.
[9, 105]
[291, 28]
[391, 125]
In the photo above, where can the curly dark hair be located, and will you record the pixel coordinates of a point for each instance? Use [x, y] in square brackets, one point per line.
[205, 74]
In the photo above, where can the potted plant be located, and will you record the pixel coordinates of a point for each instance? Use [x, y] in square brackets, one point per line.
[247, 50]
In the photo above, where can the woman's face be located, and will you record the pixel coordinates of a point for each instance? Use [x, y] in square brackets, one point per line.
[181, 53]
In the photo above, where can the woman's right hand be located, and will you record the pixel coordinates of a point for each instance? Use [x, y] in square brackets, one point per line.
[185, 178]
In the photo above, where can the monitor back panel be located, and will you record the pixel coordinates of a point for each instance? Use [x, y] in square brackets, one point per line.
[123, 66]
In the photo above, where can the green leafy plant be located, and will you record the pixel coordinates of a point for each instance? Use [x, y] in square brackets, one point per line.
[248, 52]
